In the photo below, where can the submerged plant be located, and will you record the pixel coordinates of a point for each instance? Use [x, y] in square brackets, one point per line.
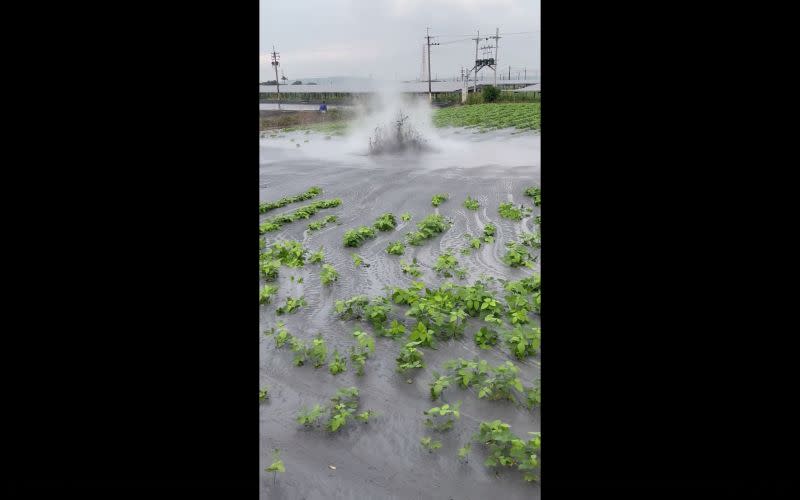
[356, 237]
[422, 335]
[439, 383]
[276, 465]
[338, 364]
[536, 194]
[328, 274]
[317, 257]
[266, 293]
[395, 330]
[291, 305]
[385, 222]
[405, 216]
[410, 357]
[317, 225]
[442, 418]
[310, 193]
[439, 198]
[318, 351]
[288, 252]
[412, 269]
[507, 450]
[269, 269]
[523, 340]
[486, 338]
[518, 255]
[509, 211]
[533, 240]
[263, 394]
[396, 248]
[446, 264]
[471, 203]
[309, 418]
[430, 444]
[427, 228]
[305, 212]
[358, 260]
[352, 308]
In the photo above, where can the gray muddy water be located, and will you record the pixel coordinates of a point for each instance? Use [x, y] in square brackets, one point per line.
[383, 459]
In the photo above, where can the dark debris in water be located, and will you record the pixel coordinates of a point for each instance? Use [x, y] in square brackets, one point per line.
[401, 138]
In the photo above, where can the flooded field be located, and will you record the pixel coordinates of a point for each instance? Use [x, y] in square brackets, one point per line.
[383, 459]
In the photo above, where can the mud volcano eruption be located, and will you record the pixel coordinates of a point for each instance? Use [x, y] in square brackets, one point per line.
[397, 137]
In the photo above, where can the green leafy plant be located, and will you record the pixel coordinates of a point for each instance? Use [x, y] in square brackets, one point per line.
[282, 335]
[488, 233]
[309, 418]
[405, 217]
[422, 335]
[358, 260]
[300, 351]
[318, 352]
[276, 465]
[263, 394]
[518, 255]
[356, 237]
[364, 416]
[486, 338]
[317, 225]
[291, 305]
[343, 405]
[509, 211]
[427, 228]
[359, 360]
[538, 220]
[442, 418]
[290, 253]
[523, 340]
[501, 383]
[385, 222]
[471, 203]
[310, 193]
[365, 341]
[396, 248]
[536, 194]
[439, 198]
[377, 311]
[468, 373]
[395, 330]
[463, 452]
[266, 294]
[328, 274]
[352, 308]
[490, 93]
[305, 212]
[533, 240]
[430, 444]
[506, 449]
[410, 357]
[269, 269]
[439, 383]
[317, 257]
[446, 264]
[338, 364]
[412, 269]
[533, 395]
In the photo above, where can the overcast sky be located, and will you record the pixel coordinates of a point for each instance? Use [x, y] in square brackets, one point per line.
[385, 38]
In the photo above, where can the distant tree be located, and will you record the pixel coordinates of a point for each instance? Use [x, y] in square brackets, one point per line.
[284, 78]
[297, 82]
[271, 82]
[490, 93]
[311, 83]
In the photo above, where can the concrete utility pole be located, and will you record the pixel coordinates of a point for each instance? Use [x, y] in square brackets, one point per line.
[428, 37]
[477, 40]
[275, 57]
[496, 57]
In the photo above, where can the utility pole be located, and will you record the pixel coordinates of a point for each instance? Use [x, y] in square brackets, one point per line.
[428, 37]
[526, 74]
[275, 58]
[496, 46]
[509, 72]
[477, 40]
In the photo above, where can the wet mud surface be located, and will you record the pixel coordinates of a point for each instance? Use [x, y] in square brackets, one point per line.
[384, 459]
